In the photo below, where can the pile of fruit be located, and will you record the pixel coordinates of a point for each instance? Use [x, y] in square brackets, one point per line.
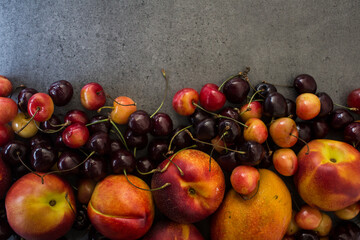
[251, 164]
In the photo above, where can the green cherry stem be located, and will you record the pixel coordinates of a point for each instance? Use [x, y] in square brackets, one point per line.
[29, 169]
[308, 149]
[52, 131]
[349, 108]
[120, 134]
[228, 79]
[165, 94]
[218, 115]
[32, 117]
[98, 121]
[173, 137]
[68, 201]
[145, 189]
[125, 105]
[104, 107]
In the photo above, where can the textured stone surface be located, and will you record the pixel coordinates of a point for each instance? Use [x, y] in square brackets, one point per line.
[124, 44]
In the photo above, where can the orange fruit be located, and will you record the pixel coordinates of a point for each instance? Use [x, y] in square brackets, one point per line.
[123, 108]
[265, 216]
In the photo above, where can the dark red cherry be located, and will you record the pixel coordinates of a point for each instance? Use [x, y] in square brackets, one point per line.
[76, 116]
[275, 105]
[23, 98]
[304, 83]
[52, 124]
[144, 164]
[14, 150]
[134, 140]
[82, 221]
[116, 144]
[161, 124]
[353, 100]
[43, 158]
[320, 128]
[265, 89]
[99, 127]
[40, 140]
[94, 167]
[61, 92]
[122, 160]
[157, 150]
[140, 122]
[253, 153]
[181, 140]
[59, 143]
[68, 160]
[99, 142]
[291, 108]
[229, 130]
[198, 116]
[327, 104]
[230, 112]
[267, 161]
[206, 129]
[352, 133]
[236, 90]
[339, 118]
[305, 134]
[306, 235]
[227, 161]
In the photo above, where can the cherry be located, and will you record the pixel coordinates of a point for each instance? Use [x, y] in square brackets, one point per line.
[227, 161]
[14, 150]
[162, 124]
[85, 188]
[6, 134]
[253, 153]
[61, 92]
[59, 143]
[305, 133]
[122, 109]
[43, 158]
[353, 100]
[99, 142]
[352, 133]
[236, 90]
[68, 160]
[267, 161]
[157, 149]
[9, 110]
[140, 122]
[345, 230]
[320, 128]
[40, 140]
[198, 116]
[116, 144]
[5, 86]
[304, 83]
[144, 165]
[40, 107]
[211, 98]
[23, 127]
[76, 116]
[265, 89]
[206, 130]
[52, 124]
[251, 110]
[94, 167]
[23, 98]
[92, 96]
[75, 135]
[181, 140]
[306, 235]
[308, 106]
[82, 221]
[231, 113]
[101, 126]
[122, 160]
[326, 103]
[339, 118]
[228, 130]
[134, 140]
[275, 105]
[183, 101]
[291, 108]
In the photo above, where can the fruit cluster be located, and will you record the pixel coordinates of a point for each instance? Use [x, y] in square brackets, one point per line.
[89, 173]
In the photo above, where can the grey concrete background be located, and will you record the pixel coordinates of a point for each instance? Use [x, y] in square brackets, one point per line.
[124, 44]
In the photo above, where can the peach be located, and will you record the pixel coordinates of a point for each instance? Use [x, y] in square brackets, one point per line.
[328, 176]
[118, 210]
[168, 230]
[193, 196]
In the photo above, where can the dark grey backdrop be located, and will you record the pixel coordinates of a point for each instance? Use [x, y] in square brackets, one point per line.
[124, 44]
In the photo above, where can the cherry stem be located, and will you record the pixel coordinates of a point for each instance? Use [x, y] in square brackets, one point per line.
[171, 160]
[52, 131]
[228, 79]
[68, 201]
[120, 134]
[251, 100]
[349, 108]
[252, 194]
[145, 189]
[268, 147]
[308, 149]
[173, 137]
[197, 140]
[135, 152]
[32, 117]
[98, 121]
[218, 115]
[165, 94]
[70, 169]
[99, 110]
[213, 148]
[125, 105]
[29, 169]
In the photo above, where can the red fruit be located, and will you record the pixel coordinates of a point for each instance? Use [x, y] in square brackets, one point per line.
[308, 217]
[285, 161]
[92, 96]
[353, 100]
[76, 116]
[42, 103]
[183, 101]
[75, 135]
[308, 106]
[9, 110]
[244, 179]
[211, 98]
[5, 86]
[6, 134]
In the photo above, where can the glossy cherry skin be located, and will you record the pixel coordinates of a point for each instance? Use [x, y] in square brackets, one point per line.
[236, 90]
[140, 122]
[211, 98]
[352, 133]
[144, 164]
[23, 98]
[230, 112]
[6, 134]
[51, 124]
[75, 135]
[275, 105]
[44, 103]
[116, 144]
[229, 130]
[101, 126]
[133, 140]
[254, 153]
[227, 161]
[304, 83]
[14, 150]
[68, 160]
[181, 140]
[339, 118]
[353, 100]
[9, 110]
[157, 149]
[76, 116]
[42, 158]
[206, 129]
[99, 142]
[306, 235]
[122, 160]
[92, 96]
[183, 101]
[59, 143]
[61, 92]
[327, 104]
[198, 116]
[305, 133]
[123, 107]
[251, 110]
[345, 230]
[265, 89]
[162, 125]
[320, 128]
[291, 108]
[5, 86]
[40, 140]
[95, 167]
